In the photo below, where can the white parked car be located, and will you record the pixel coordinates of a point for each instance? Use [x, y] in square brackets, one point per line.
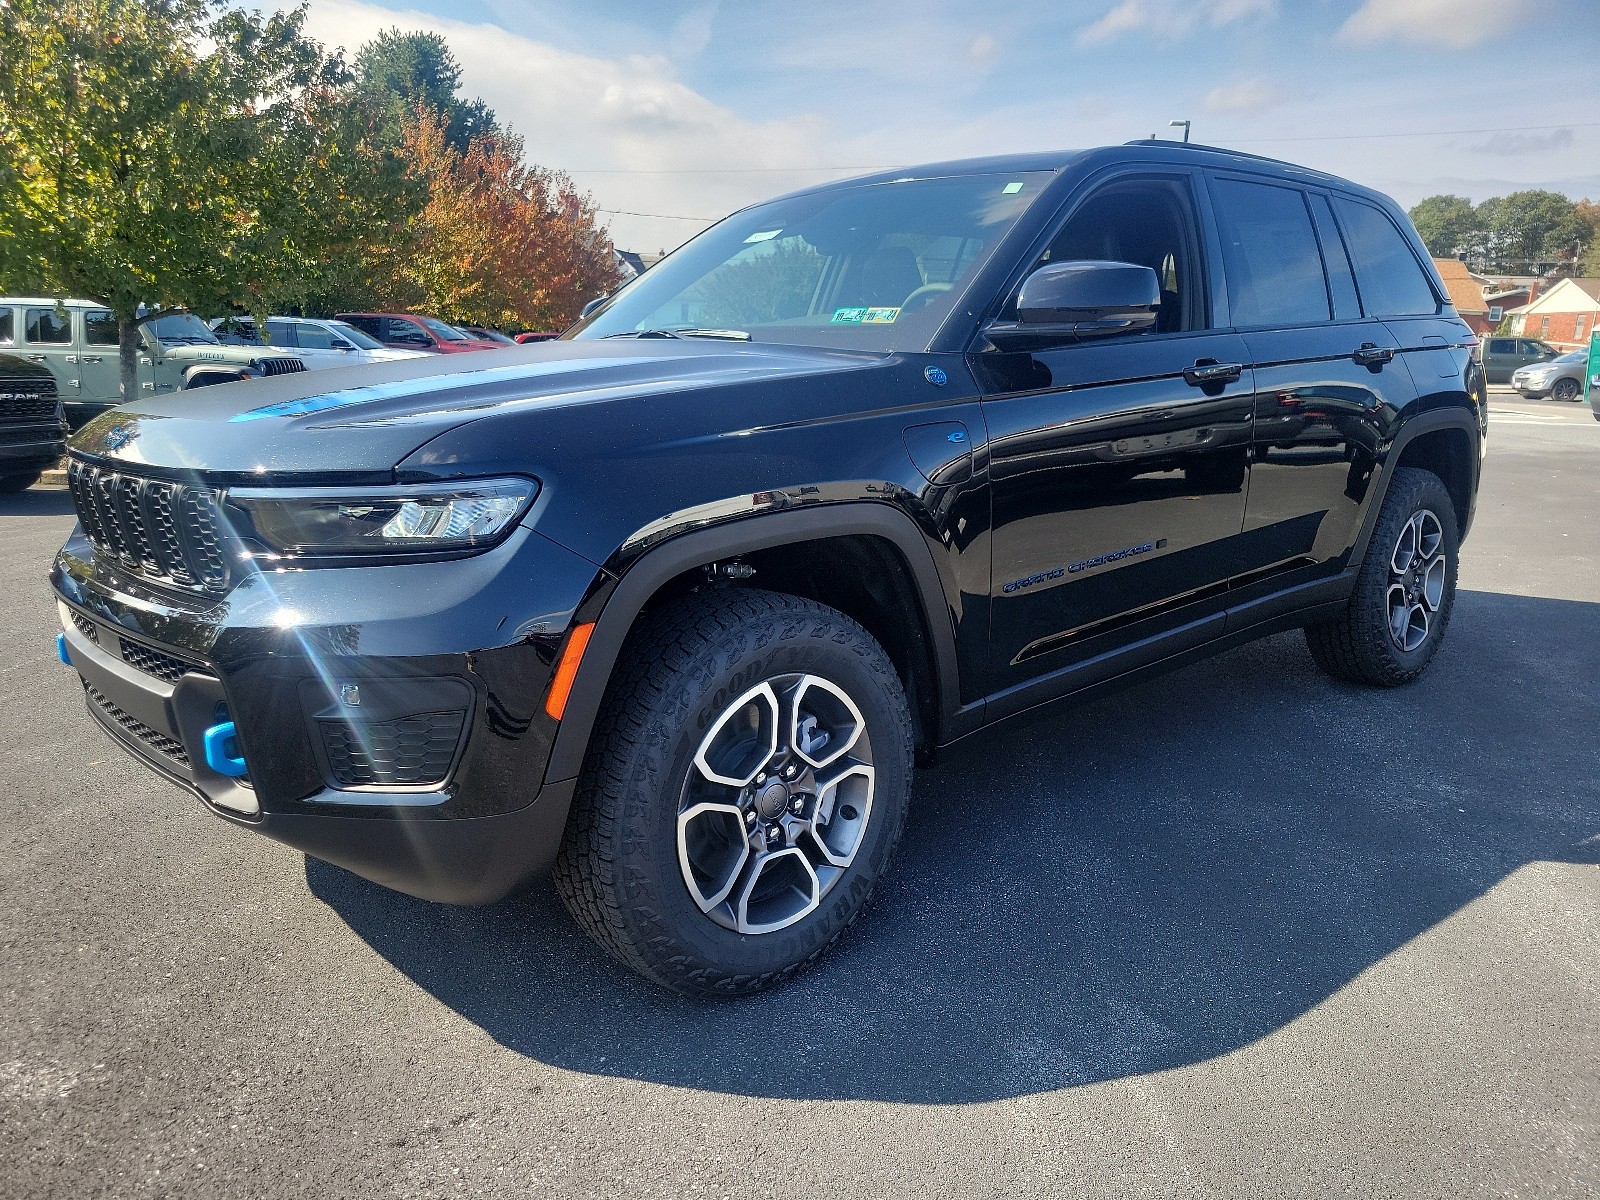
[317, 343]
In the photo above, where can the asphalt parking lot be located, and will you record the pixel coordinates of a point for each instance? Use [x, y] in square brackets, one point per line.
[1241, 931]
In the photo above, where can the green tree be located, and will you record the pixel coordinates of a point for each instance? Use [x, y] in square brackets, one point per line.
[400, 73]
[1588, 211]
[1449, 225]
[1532, 231]
[175, 153]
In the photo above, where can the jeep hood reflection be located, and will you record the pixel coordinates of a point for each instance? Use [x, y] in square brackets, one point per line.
[360, 422]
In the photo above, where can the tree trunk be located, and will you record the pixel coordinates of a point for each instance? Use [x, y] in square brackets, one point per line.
[129, 343]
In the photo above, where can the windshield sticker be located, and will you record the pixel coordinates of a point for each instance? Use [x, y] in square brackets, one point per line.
[848, 316]
[766, 235]
[880, 316]
[1011, 189]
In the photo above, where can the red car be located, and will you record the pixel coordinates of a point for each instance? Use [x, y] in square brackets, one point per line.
[524, 338]
[405, 331]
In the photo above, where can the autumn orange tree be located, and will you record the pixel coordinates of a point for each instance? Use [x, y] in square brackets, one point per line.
[498, 242]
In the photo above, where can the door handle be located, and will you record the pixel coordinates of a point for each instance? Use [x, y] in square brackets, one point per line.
[1209, 373]
[90, 358]
[1369, 354]
[36, 357]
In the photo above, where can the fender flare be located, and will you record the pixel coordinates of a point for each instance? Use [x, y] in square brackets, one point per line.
[687, 551]
[1454, 417]
[238, 371]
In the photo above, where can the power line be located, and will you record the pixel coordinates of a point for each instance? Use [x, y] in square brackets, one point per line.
[621, 212]
[1357, 137]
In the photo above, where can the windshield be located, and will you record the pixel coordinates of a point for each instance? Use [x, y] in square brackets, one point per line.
[181, 328]
[1571, 356]
[875, 267]
[363, 341]
[448, 333]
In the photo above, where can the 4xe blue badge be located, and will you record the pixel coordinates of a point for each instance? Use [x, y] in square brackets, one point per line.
[935, 376]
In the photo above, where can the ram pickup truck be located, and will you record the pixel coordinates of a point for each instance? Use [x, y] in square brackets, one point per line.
[674, 605]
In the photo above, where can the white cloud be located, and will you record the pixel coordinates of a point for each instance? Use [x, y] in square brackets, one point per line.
[622, 118]
[1171, 19]
[1245, 96]
[1449, 24]
[983, 50]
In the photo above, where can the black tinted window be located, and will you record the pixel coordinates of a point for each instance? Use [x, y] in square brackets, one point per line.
[1270, 252]
[46, 327]
[6, 334]
[312, 337]
[1341, 282]
[1502, 346]
[1392, 282]
[282, 333]
[99, 328]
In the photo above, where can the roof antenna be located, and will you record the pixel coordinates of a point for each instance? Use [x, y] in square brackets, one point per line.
[1174, 125]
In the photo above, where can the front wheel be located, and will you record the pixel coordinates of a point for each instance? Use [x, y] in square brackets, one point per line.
[11, 484]
[1404, 593]
[745, 787]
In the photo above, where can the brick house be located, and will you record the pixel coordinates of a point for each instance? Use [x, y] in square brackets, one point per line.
[1466, 293]
[1564, 316]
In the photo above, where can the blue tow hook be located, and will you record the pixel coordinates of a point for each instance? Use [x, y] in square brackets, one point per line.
[222, 750]
[61, 648]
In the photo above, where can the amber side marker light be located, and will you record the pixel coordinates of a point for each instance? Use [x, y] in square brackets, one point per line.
[567, 670]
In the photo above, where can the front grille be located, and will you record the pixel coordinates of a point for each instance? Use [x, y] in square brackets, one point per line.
[153, 738]
[154, 662]
[85, 626]
[170, 532]
[281, 366]
[27, 399]
[410, 750]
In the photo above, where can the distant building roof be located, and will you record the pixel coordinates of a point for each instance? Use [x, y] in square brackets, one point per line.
[1466, 293]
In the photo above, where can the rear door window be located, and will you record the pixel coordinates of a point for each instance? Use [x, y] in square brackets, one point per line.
[283, 333]
[47, 327]
[1392, 281]
[99, 328]
[1341, 280]
[7, 326]
[1502, 346]
[1270, 253]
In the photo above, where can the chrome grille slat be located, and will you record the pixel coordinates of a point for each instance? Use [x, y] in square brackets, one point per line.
[169, 532]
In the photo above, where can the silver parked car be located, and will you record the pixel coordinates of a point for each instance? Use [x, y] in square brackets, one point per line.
[1560, 378]
[318, 343]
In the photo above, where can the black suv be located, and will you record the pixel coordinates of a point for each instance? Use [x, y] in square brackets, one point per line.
[672, 604]
[33, 426]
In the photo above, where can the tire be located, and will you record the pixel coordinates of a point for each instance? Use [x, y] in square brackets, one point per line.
[1361, 645]
[649, 823]
[12, 484]
[1566, 390]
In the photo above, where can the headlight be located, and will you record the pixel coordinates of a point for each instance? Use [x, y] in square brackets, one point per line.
[408, 519]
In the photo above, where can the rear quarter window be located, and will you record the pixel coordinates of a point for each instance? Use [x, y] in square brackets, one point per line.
[1392, 281]
[7, 327]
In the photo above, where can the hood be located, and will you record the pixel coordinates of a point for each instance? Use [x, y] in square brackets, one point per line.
[357, 423]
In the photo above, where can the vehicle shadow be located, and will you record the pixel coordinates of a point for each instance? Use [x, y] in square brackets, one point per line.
[1154, 879]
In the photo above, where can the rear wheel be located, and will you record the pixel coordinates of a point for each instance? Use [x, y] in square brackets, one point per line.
[744, 790]
[11, 484]
[1567, 390]
[1404, 593]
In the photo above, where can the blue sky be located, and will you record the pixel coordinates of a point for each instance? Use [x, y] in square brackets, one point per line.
[693, 109]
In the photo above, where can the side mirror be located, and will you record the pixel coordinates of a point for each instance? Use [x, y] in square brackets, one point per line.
[589, 308]
[1068, 302]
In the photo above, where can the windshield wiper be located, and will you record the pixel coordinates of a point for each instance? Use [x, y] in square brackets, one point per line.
[727, 335]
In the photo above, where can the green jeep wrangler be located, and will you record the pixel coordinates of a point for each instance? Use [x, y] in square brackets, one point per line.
[77, 341]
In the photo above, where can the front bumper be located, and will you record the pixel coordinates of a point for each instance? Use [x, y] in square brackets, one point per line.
[35, 444]
[316, 670]
[1532, 391]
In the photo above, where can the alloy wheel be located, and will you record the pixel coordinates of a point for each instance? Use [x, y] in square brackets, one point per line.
[776, 803]
[1417, 571]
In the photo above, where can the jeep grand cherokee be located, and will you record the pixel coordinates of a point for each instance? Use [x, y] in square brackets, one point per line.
[671, 605]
